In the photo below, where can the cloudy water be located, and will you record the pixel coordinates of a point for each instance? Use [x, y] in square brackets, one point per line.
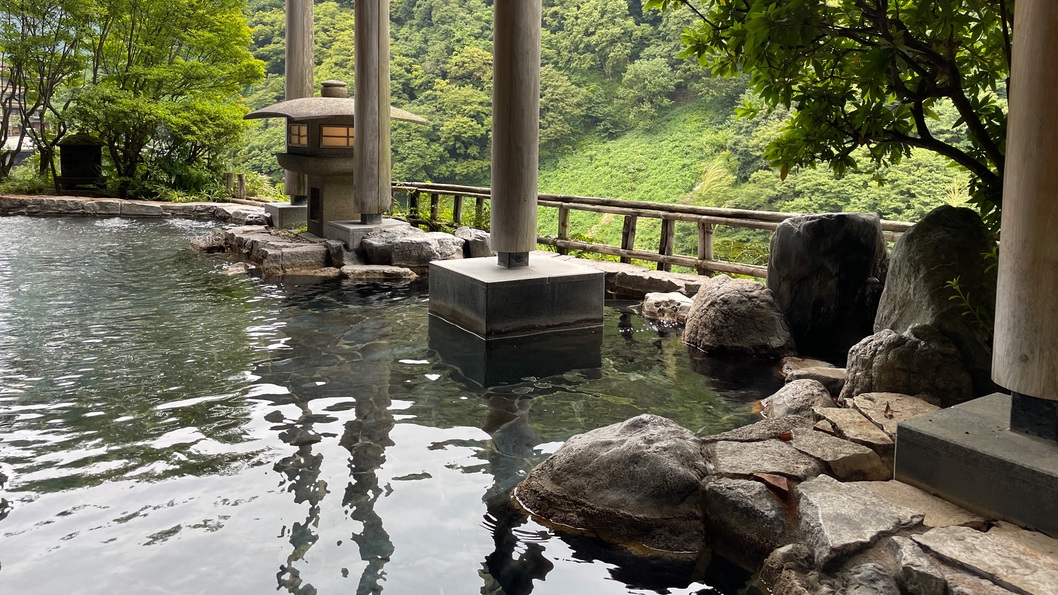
[168, 428]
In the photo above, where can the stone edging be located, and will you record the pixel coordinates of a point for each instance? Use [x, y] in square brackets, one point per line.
[75, 206]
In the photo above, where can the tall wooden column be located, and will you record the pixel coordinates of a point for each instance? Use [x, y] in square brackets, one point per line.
[371, 170]
[515, 128]
[298, 70]
[1025, 356]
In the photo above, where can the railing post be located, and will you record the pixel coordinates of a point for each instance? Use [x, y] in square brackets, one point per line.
[479, 209]
[240, 187]
[628, 236]
[563, 227]
[413, 204]
[668, 242]
[457, 209]
[435, 207]
[705, 245]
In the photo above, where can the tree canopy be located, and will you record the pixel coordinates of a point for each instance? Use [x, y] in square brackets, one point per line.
[867, 78]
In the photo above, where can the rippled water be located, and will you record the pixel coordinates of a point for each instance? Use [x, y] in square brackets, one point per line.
[167, 428]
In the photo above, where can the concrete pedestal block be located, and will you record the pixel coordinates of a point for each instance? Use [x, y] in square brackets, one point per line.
[508, 360]
[287, 216]
[352, 232]
[490, 301]
[967, 455]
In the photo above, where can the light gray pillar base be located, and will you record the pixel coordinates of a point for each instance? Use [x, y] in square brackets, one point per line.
[968, 455]
[509, 360]
[490, 301]
[353, 232]
[287, 216]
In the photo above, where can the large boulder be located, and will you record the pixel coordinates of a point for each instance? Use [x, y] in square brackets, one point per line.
[638, 482]
[947, 244]
[738, 317]
[826, 273]
[408, 246]
[920, 362]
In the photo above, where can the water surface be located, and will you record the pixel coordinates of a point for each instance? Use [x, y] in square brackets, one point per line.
[168, 428]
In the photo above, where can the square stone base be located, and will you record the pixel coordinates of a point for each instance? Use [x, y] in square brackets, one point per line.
[967, 455]
[352, 232]
[508, 360]
[287, 216]
[490, 301]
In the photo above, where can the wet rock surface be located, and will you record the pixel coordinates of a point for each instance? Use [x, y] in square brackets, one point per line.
[826, 273]
[737, 317]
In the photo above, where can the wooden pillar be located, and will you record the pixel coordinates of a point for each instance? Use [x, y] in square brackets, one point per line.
[628, 236]
[515, 128]
[668, 242]
[563, 228]
[457, 209]
[372, 194]
[298, 74]
[1025, 352]
[705, 244]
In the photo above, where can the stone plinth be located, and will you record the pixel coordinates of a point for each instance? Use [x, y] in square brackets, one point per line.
[507, 360]
[287, 216]
[491, 301]
[968, 455]
[353, 232]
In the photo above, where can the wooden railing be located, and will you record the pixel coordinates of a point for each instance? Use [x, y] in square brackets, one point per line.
[706, 219]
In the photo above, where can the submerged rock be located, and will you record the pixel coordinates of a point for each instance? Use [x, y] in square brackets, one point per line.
[737, 317]
[638, 482]
[671, 307]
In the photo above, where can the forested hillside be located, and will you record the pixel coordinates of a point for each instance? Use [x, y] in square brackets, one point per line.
[621, 114]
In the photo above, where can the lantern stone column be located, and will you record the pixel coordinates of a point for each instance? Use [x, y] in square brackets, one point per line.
[1025, 353]
[298, 77]
[515, 129]
[372, 194]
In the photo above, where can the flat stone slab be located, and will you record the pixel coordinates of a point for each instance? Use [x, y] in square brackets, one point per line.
[1012, 561]
[743, 459]
[900, 408]
[766, 429]
[838, 519]
[938, 512]
[854, 426]
[829, 376]
[846, 460]
[371, 272]
[633, 281]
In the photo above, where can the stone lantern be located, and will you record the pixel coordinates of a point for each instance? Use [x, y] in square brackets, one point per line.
[319, 144]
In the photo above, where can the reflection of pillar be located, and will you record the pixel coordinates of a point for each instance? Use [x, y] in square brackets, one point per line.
[1026, 334]
[298, 69]
[371, 169]
[302, 471]
[515, 128]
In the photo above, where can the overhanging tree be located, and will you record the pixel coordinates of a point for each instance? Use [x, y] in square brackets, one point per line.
[864, 77]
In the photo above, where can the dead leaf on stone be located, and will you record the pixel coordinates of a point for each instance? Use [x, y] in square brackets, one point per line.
[888, 412]
[786, 436]
[777, 483]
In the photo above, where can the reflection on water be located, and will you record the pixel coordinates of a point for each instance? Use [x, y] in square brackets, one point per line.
[166, 428]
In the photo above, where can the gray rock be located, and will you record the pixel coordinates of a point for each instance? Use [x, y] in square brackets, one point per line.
[830, 377]
[365, 272]
[886, 410]
[961, 583]
[826, 273]
[869, 579]
[209, 243]
[921, 363]
[938, 512]
[1012, 561]
[669, 307]
[847, 461]
[737, 317]
[254, 218]
[918, 573]
[335, 253]
[743, 459]
[302, 257]
[793, 364]
[141, 209]
[478, 243]
[766, 429]
[948, 243]
[840, 519]
[797, 397]
[639, 481]
[410, 247]
[789, 571]
[746, 513]
[852, 425]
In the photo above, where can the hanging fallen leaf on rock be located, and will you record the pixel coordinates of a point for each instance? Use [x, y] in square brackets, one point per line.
[888, 412]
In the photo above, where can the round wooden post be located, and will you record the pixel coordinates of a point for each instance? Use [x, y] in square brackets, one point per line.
[1025, 356]
[298, 75]
[372, 194]
[515, 128]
